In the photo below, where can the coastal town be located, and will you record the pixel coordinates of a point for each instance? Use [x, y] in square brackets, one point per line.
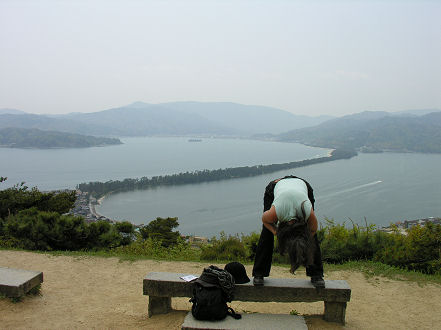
[402, 226]
[85, 206]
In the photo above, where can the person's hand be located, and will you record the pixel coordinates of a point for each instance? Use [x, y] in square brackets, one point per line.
[312, 223]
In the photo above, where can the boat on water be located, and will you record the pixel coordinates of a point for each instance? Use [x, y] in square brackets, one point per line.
[194, 140]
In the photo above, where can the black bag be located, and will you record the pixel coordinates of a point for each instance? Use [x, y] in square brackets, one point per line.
[210, 296]
[208, 303]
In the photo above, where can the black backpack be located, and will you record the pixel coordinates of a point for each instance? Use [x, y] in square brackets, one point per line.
[210, 297]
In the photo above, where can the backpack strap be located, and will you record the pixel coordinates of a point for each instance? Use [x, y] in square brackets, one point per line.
[224, 280]
[233, 314]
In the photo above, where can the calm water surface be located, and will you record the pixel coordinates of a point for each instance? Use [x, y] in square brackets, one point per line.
[137, 157]
[384, 188]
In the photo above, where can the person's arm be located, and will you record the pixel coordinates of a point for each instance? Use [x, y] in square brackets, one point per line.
[269, 220]
[312, 223]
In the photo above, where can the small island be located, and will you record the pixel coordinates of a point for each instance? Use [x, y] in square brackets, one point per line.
[34, 138]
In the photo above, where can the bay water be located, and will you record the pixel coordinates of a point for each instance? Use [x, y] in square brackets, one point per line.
[50, 169]
[384, 188]
[377, 188]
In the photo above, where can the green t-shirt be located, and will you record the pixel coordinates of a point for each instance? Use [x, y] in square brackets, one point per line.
[289, 194]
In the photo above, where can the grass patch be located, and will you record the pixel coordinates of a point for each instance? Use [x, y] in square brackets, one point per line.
[122, 255]
[371, 269]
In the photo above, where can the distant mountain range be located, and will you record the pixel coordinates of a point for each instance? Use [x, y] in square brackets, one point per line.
[375, 131]
[35, 138]
[248, 119]
[11, 112]
[415, 112]
[409, 130]
[178, 118]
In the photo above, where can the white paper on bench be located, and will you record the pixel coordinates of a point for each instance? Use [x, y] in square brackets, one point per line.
[189, 278]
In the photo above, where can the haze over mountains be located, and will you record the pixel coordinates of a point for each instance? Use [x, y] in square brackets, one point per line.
[11, 111]
[409, 130]
[177, 118]
[375, 131]
[34, 138]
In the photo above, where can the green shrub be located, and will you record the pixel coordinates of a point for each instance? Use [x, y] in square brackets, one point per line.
[36, 230]
[226, 248]
[33, 220]
[126, 230]
[19, 197]
[340, 244]
[40, 230]
[152, 248]
[250, 243]
[419, 250]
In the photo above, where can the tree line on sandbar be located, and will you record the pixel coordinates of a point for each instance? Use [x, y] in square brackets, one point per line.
[99, 189]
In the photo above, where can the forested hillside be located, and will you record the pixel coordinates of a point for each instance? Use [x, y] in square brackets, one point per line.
[35, 138]
[374, 131]
[61, 124]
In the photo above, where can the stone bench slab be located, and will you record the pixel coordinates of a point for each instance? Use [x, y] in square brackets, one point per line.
[249, 322]
[17, 282]
[164, 284]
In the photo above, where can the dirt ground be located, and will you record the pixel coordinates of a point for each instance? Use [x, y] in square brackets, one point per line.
[105, 293]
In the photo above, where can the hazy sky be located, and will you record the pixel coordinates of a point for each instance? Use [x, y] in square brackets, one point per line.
[306, 57]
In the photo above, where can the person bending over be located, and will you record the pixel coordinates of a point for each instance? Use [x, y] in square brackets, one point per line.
[289, 213]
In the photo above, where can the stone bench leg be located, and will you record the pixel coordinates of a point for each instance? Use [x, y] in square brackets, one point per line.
[335, 312]
[159, 305]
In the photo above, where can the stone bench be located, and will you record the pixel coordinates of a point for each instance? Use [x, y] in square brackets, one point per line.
[161, 286]
[15, 283]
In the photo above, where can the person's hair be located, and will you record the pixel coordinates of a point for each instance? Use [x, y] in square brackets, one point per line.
[295, 238]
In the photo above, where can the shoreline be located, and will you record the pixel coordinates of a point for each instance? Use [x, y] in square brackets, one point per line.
[95, 213]
[100, 199]
[219, 174]
[93, 210]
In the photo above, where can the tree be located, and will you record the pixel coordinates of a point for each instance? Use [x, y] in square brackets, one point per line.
[161, 229]
[127, 232]
[19, 197]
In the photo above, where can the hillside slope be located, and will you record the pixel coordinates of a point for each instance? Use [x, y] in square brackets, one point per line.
[61, 124]
[140, 119]
[249, 119]
[374, 131]
[178, 118]
[35, 138]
